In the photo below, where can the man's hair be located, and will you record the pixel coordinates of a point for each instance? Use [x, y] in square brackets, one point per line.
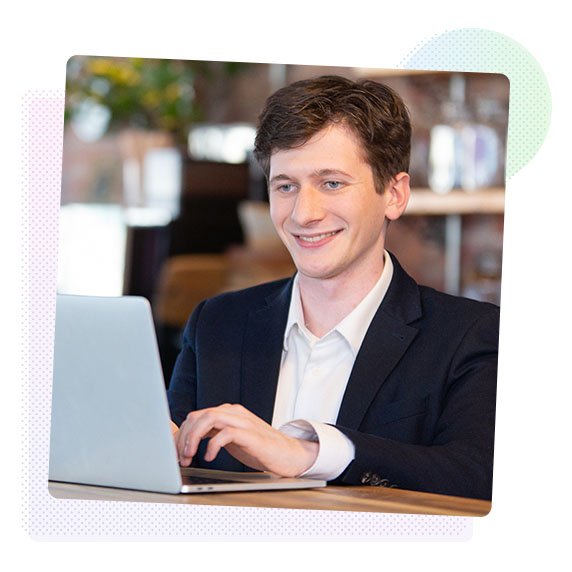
[374, 113]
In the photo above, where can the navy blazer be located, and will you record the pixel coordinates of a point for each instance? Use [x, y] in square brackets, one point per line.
[420, 401]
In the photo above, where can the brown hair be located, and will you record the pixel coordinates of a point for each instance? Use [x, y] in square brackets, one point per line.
[374, 113]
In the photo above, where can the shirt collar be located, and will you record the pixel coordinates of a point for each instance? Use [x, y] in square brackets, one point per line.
[295, 314]
[355, 325]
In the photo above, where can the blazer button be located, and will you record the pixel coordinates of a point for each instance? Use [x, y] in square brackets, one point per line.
[375, 480]
[365, 478]
[384, 483]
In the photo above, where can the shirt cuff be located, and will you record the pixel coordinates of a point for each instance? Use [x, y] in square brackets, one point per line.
[335, 453]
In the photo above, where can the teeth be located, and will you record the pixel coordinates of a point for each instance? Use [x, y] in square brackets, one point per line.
[316, 238]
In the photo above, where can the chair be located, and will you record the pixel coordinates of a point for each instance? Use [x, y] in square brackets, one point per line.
[184, 281]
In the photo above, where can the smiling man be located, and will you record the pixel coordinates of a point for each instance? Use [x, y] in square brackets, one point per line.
[349, 371]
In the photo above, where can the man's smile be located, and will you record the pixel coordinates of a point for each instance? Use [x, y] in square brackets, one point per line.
[314, 239]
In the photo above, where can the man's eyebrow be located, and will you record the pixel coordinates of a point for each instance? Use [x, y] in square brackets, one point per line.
[318, 173]
[280, 177]
[330, 173]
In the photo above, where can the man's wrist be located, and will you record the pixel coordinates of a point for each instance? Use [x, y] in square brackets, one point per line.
[311, 450]
[335, 450]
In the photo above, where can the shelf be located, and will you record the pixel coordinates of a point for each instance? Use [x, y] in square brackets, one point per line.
[427, 202]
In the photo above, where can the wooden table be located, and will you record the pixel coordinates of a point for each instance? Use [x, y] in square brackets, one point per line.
[356, 499]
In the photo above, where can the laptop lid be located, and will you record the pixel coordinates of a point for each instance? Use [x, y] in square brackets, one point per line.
[109, 407]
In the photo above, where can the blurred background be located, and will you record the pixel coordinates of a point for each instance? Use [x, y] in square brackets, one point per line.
[161, 196]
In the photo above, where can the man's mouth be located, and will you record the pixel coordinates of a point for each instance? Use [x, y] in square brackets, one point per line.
[317, 237]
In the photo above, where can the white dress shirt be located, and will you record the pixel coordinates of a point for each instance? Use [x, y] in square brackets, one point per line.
[314, 373]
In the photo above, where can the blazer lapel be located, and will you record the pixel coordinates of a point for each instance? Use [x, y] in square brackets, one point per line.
[262, 353]
[385, 343]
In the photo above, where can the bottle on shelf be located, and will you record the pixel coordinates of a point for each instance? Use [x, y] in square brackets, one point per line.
[464, 146]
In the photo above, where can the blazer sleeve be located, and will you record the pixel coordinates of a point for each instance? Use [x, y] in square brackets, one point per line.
[182, 391]
[458, 458]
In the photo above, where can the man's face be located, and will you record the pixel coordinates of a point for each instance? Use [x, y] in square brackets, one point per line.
[325, 207]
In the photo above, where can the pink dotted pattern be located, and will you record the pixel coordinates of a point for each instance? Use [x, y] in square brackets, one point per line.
[47, 518]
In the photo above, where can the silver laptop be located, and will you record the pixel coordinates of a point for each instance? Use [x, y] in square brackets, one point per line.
[110, 418]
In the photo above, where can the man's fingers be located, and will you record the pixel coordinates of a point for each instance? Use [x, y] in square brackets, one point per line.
[190, 434]
[221, 439]
[246, 437]
[206, 423]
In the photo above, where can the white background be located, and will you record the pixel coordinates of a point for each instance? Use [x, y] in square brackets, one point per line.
[529, 523]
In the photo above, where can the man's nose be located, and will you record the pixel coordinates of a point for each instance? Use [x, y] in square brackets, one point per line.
[308, 207]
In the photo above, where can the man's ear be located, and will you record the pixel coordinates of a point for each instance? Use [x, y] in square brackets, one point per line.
[398, 196]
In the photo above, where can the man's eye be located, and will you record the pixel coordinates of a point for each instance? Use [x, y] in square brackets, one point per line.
[286, 188]
[333, 185]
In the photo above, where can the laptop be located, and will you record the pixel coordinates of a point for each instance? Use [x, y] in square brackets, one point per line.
[110, 418]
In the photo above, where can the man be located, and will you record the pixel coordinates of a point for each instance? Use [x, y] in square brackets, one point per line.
[349, 371]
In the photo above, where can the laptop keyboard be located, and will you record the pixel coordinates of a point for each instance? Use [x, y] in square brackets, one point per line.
[192, 480]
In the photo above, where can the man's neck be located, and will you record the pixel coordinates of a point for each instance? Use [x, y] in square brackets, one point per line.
[326, 302]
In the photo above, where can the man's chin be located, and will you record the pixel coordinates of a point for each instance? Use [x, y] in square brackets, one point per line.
[314, 273]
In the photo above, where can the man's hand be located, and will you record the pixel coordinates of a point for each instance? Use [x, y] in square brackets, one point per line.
[247, 438]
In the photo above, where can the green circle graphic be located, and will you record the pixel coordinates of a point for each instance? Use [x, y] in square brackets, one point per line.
[485, 51]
